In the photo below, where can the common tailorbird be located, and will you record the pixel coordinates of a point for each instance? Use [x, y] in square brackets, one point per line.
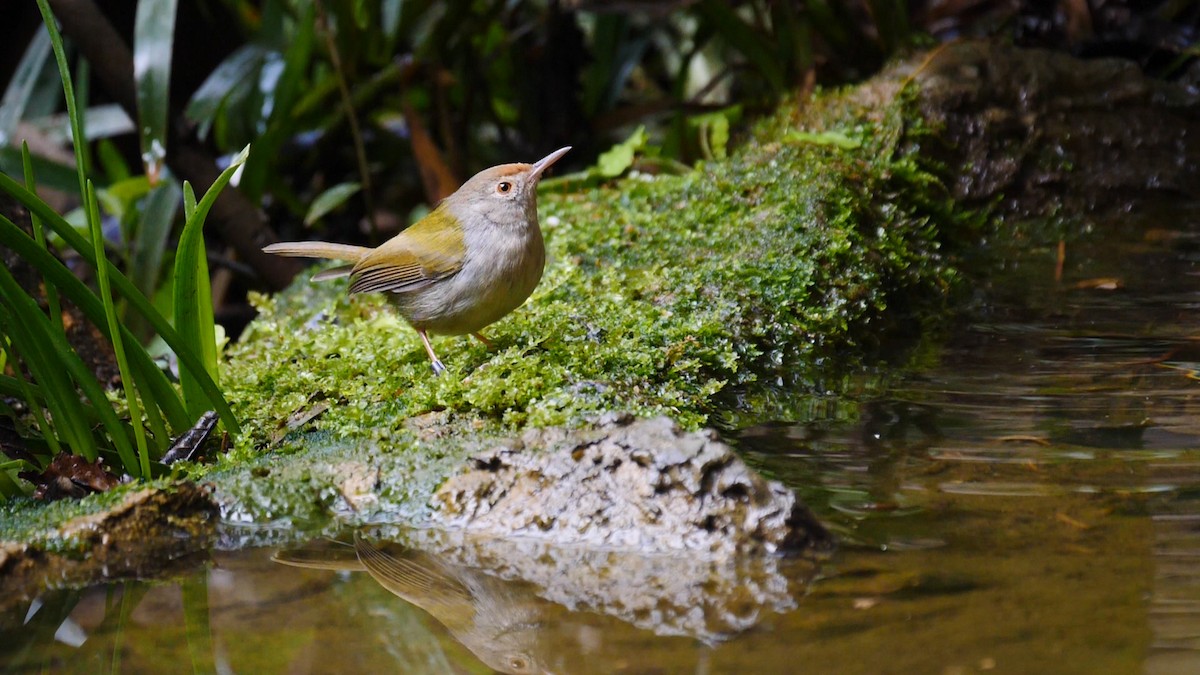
[476, 257]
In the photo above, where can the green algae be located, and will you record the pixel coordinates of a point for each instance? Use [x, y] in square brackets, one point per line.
[360, 481]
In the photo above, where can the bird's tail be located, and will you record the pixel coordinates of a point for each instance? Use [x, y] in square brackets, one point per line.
[318, 249]
[321, 249]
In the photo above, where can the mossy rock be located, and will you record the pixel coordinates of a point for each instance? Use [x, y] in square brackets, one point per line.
[692, 296]
[662, 293]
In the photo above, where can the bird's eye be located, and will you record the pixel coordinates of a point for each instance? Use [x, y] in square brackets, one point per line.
[504, 187]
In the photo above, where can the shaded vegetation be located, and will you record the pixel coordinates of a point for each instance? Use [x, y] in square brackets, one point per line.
[66, 402]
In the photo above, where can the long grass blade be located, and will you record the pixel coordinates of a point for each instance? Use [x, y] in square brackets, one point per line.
[48, 354]
[28, 393]
[40, 236]
[65, 400]
[187, 360]
[12, 387]
[79, 144]
[60, 393]
[64, 72]
[132, 395]
[73, 289]
[193, 304]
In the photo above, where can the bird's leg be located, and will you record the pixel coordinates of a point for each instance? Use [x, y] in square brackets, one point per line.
[486, 342]
[438, 366]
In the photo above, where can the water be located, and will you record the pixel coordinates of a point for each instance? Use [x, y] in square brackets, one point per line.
[1029, 504]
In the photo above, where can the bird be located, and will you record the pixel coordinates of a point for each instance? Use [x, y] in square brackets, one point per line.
[473, 259]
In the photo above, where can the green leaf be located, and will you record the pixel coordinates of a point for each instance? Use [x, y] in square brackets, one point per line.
[330, 200]
[835, 139]
[54, 364]
[231, 81]
[57, 274]
[619, 158]
[21, 87]
[153, 46]
[745, 39]
[150, 240]
[133, 394]
[193, 303]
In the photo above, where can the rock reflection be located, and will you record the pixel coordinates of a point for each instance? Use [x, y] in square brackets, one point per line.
[530, 607]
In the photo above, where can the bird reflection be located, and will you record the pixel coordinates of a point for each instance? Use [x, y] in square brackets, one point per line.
[524, 606]
[499, 621]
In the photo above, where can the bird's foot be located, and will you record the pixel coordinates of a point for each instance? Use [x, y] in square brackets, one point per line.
[438, 367]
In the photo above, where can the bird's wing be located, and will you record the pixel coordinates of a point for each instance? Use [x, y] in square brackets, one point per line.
[412, 260]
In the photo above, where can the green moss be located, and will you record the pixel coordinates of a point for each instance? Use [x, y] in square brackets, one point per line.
[660, 294]
[696, 296]
[38, 524]
[393, 473]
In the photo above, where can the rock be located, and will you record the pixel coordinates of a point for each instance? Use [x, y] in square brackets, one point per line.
[148, 533]
[1043, 131]
[626, 484]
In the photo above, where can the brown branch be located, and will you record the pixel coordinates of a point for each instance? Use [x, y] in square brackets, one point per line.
[236, 219]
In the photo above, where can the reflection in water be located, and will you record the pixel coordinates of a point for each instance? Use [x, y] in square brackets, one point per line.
[1050, 465]
[531, 607]
[498, 621]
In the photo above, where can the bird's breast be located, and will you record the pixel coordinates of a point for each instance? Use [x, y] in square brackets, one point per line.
[501, 269]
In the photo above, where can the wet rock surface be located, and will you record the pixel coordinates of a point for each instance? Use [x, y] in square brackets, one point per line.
[147, 534]
[628, 484]
[1043, 131]
[693, 596]
[490, 592]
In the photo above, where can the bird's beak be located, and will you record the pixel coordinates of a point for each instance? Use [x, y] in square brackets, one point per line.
[535, 172]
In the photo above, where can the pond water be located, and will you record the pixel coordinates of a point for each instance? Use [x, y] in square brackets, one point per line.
[1030, 503]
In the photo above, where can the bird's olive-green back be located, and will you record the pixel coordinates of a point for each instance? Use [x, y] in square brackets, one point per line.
[429, 250]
